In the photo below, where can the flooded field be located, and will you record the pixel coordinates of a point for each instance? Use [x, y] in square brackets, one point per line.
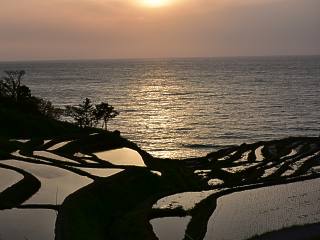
[56, 183]
[8, 178]
[27, 224]
[233, 193]
[101, 172]
[123, 156]
[243, 215]
[186, 200]
[59, 175]
[170, 228]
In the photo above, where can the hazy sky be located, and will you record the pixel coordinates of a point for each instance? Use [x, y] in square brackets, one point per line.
[73, 29]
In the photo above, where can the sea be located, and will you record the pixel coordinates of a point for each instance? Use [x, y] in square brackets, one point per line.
[188, 107]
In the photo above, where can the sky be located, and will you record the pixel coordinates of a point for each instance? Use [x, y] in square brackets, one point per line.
[94, 29]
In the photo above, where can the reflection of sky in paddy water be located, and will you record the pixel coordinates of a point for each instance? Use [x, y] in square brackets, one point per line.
[122, 156]
[58, 145]
[8, 178]
[245, 214]
[27, 224]
[101, 172]
[56, 183]
[50, 155]
[170, 228]
[185, 200]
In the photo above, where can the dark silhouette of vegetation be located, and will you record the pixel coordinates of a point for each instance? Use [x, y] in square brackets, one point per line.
[104, 112]
[11, 84]
[23, 114]
[14, 95]
[47, 109]
[88, 115]
[83, 114]
[24, 93]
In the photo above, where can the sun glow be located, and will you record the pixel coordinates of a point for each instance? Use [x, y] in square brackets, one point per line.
[155, 3]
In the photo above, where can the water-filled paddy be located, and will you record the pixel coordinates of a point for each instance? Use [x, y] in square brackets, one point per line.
[101, 172]
[170, 228]
[245, 214]
[122, 156]
[53, 156]
[20, 140]
[30, 224]
[8, 178]
[56, 183]
[258, 153]
[58, 145]
[186, 200]
[237, 216]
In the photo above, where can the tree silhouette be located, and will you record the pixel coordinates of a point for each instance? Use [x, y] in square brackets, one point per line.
[105, 112]
[24, 93]
[83, 114]
[14, 95]
[47, 109]
[11, 84]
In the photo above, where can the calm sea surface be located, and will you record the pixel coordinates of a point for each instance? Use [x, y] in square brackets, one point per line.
[190, 107]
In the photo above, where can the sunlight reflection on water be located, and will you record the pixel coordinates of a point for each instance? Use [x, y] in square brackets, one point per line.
[190, 107]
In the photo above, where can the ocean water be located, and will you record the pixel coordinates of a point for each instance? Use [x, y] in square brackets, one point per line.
[182, 108]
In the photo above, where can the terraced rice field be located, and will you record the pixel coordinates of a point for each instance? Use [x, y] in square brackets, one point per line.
[251, 187]
[59, 175]
[241, 213]
[245, 214]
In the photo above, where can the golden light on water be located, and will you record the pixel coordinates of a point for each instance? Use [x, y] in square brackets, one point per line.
[155, 3]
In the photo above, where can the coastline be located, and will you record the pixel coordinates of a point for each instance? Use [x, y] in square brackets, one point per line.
[120, 205]
[177, 176]
[209, 102]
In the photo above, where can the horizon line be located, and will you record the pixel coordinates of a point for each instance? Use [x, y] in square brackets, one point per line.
[156, 58]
